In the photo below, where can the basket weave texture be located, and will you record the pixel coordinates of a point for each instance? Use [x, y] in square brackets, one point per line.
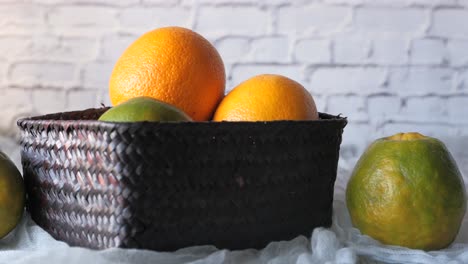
[165, 186]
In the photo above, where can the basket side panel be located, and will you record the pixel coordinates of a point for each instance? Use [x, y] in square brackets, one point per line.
[73, 191]
[198, 187]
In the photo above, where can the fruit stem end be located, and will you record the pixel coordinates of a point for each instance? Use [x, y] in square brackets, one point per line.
[406, 136]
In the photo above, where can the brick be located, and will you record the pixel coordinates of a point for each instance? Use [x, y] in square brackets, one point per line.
[430, 108]
[312, 51]
[82, 16]
[356, 136]
[89, 2]
[15, 98]
[344, 80]
[434, 2]
[81, 99]
[458, 52]
[14, 45]
[235, 20]
[446, 23]
[226, 2]
[76, 49]
[390, 49]
[345, 2]
[50, 48]
[22, 14]
[313, 18]
[351, 48]
[463, 2]
[270, 49]
[428, 129]
[23, 30]
[462, 80]
[463, 131]
[48, 2]
[22, 19]
[96, 75]
[113, 46]
[103, 98]
[159, 2]
[243, 72]
[458, 147]
[458, 109]
[44, 74]
[320, 101]
[427, 51]
[383, 105]
[42, 47]
[245, 2]
[154, 17]
[387, 3]
[15, 104]
[421, 81]
[46, 101]
[379, 20]
[406, 3]
[233, 49]
[3, 72]
[284, 2]
[354, 107]
[10, 146]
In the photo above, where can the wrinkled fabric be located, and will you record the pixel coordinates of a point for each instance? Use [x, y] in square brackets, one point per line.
[30, 244]
[339, 244]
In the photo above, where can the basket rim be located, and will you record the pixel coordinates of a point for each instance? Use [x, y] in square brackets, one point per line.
[57, 120]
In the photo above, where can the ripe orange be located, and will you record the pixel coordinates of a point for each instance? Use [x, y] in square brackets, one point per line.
[265, 98]
[174, 65]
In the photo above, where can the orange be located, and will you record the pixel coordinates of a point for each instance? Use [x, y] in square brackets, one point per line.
[267, 97]
[406, 190]
[174, 65]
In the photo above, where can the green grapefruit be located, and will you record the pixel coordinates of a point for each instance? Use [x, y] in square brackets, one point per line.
[12, 195]
[407, 190]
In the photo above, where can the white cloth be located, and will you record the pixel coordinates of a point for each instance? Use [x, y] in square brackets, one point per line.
[340, 244]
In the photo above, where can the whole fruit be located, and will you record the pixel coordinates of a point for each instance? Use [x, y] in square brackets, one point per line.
[143, 109]
[267, 97]
[174, 65]
[12, 195]
[406, 190]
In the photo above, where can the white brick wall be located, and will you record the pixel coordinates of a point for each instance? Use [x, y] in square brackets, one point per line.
[428, 51]
[313, 18]
[316, 51]
[450, 23]
[389, 65]
[384, 19]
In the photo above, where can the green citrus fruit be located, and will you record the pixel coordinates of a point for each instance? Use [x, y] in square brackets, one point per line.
[406, 190]
[144, 109]
[12, 195]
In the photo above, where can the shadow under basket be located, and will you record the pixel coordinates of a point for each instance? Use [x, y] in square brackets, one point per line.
[164, 186]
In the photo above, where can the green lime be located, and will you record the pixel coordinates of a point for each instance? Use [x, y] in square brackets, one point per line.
[144, 109]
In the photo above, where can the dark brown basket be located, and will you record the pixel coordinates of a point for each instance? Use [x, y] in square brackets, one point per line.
[165, 186]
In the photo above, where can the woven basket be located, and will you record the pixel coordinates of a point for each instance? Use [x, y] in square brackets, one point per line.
[165, 186]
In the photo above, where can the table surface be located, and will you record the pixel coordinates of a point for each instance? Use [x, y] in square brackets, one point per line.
[339, 244]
